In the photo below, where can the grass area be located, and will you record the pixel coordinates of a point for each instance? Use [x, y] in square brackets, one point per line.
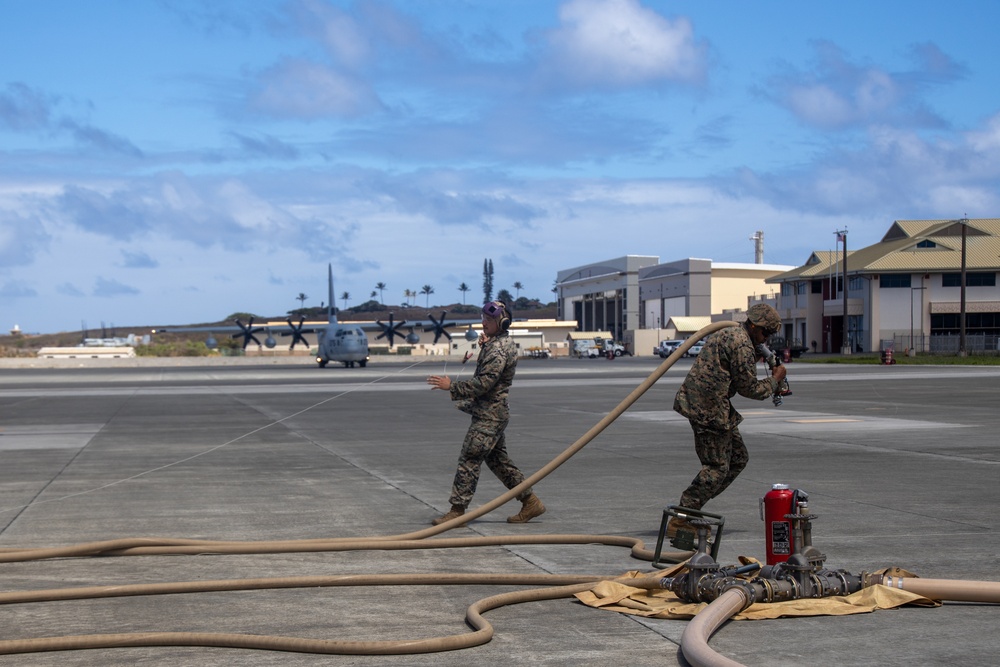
[902, 360]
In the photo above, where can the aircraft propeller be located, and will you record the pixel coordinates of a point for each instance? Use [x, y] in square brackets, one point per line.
[248, 333]
[296, 332]
[390, 330]
[439, 327]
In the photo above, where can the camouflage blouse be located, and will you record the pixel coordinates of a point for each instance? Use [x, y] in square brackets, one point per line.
[484, 395]
[726, 366]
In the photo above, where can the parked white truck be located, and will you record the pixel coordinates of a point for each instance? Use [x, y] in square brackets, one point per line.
[602, 346]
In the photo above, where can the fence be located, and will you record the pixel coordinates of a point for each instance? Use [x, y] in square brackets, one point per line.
[979, 344]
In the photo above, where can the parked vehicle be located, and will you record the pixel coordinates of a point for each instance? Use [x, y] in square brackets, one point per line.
[584, 347]
[793, 345]
[696, 348]
[603, 347]
[666, 348]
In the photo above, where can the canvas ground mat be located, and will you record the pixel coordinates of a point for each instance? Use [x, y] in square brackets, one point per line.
[616, 596]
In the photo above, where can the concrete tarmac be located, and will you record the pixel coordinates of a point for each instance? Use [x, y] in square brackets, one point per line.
[901, 463]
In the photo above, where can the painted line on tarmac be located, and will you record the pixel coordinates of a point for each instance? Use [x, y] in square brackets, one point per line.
[788, 421]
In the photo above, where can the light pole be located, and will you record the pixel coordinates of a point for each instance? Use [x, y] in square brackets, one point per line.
[845, 347]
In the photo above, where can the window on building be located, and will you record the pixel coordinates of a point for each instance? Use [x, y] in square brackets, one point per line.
[786, 289]
[800, 288]
[926, 243]
[817, 287]
[975, 324]
[855, 284]
[887, 280]
[856, 330]
[972, 279]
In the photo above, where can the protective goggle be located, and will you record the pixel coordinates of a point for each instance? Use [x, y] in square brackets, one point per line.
[494, 310]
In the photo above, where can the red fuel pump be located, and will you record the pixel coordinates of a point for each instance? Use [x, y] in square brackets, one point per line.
[778, 502]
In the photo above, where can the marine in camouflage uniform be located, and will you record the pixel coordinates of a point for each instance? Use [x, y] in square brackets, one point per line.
[726, 366]
[484, 396]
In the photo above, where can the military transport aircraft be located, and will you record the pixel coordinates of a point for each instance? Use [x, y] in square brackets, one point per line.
[335, 341]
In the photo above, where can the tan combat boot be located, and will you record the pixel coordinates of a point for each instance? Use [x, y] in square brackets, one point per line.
[455, 512]
[530, 508]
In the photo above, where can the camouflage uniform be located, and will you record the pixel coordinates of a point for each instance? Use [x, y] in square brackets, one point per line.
[484, 396]
[726, 366]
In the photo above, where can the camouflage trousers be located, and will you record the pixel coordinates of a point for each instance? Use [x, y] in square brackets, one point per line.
[484, 443]
[723, 457]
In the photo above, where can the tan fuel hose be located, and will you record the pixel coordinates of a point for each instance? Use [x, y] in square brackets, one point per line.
[482, 630]
[694, 639]
[947, 589]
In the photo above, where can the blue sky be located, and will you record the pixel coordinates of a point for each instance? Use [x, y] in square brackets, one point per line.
[175, 161]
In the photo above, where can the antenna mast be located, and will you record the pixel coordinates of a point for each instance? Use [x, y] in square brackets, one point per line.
[758, 246]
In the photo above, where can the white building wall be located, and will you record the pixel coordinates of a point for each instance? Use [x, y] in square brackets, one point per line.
[893, 309]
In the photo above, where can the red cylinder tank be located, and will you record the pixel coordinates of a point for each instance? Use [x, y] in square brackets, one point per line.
[777, 529]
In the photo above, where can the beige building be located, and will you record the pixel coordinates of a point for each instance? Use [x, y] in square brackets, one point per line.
[905, 291]
[641, 301]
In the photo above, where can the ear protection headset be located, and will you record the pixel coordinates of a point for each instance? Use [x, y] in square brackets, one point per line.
[498, 311]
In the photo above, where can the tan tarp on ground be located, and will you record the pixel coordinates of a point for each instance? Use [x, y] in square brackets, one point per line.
[619, 597]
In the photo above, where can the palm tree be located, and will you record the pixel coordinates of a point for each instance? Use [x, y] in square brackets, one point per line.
[517, 288]
[428, 290]
[301, 299]
[345, 296]
[408, 294]
[463, 288]
[380, 286]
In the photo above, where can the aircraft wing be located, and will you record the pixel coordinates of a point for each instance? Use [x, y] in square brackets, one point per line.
[248, 332]
[388, 330]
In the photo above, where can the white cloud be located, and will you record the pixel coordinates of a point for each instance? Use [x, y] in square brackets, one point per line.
[23, 108]
[309, 90]
[837, 93]
[109, 287]
[987, 139]
[138, 260]
[17, 289]
[872, 95]
[620, 43]
[21, 238]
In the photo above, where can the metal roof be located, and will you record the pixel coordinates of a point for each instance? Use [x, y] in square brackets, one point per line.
[912, 246]
[689, 324]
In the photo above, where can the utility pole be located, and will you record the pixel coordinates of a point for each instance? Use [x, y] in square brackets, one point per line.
[961, 324]
[845, 347]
